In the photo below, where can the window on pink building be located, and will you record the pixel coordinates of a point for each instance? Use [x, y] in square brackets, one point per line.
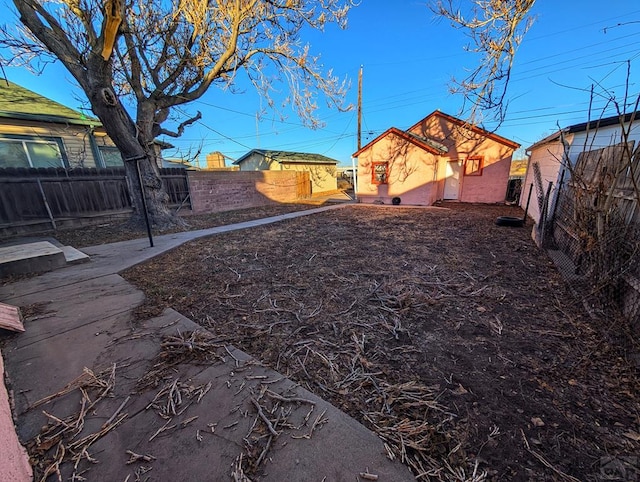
[473, 166]
[380, 173]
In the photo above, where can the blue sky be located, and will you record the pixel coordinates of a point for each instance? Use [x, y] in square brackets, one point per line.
[409, 57]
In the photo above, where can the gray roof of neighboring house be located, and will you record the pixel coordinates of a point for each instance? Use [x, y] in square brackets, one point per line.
[604, 122]
[177, 163]
[584, 126]
[16, 102]
[289, 157]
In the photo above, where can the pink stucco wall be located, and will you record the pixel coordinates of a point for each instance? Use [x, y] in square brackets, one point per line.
[411, 173]
[491, 187]
[14, 460]
[418, 176]
[463, 143]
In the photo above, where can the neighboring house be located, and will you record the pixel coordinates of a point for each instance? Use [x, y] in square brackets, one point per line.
[214, 161]
[516, 175]
[439, 158]
[38, 132]
[177, 163]
[547, 154]
[321, 169]
[347, 172]
[518, 169]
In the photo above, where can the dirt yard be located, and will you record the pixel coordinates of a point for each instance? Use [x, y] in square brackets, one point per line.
[455, 340]
[111, 232]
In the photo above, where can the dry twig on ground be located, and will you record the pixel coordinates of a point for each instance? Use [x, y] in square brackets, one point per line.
[65, 434]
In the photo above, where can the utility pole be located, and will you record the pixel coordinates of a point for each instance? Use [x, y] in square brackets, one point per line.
[359, 135]
[360, 109]
[257, 131]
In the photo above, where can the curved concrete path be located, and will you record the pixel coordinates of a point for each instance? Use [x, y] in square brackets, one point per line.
[83, 319]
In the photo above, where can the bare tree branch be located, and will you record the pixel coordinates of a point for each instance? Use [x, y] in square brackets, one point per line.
[170, 53]
[496, 28]
[181, 127]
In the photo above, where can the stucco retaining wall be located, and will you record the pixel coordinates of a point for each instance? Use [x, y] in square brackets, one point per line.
[224, 191]
[14, 461]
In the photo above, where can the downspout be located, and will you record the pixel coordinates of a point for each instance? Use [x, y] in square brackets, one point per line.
[436, 165]
[355, 178]
[526, 176]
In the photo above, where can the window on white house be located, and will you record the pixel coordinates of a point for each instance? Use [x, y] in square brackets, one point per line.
[17, 152]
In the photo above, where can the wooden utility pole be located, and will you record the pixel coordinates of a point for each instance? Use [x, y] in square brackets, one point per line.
[360, 109]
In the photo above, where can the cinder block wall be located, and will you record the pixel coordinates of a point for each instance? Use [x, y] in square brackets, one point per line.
[215, 191]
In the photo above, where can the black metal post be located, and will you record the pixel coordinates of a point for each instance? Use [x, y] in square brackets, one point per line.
[526, 209]
[144, 198]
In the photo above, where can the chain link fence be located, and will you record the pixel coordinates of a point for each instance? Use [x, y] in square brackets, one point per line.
[591, 230]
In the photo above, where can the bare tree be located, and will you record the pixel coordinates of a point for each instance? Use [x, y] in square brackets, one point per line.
[496, 28]
[154, 55]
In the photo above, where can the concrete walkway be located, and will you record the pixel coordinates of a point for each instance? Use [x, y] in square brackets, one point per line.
[81, 316]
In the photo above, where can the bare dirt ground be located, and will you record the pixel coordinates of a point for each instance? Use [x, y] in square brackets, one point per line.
[455, 340]
[115, 231]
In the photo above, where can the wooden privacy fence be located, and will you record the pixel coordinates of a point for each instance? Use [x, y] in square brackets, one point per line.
[601, 188]
[29, 196]
[596, 222]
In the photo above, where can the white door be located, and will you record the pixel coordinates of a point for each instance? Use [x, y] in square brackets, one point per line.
[452, 180]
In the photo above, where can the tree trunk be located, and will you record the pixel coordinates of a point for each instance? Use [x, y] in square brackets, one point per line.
[155, 196]
[136, 150]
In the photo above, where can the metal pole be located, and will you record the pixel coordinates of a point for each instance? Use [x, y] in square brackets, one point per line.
[355, 177]
[526, 209]
[144, 204]
[144, 199]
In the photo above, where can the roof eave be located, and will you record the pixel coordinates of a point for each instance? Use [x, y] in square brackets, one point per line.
[306, 161]
[404, 135]
[478, 130]
[281, 157]
[547, 140]
[51, 119]
[604, 122]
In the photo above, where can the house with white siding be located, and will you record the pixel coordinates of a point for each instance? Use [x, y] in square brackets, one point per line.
[549, 157]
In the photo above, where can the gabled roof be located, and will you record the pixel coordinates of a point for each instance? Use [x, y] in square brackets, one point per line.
[16, 102]
[432, 145]
[288, 157]
[424, 143]
[478, 130]
[587, 126]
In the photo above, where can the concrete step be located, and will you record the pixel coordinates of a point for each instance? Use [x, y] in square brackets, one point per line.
[37, 257]
[74, 256]
[30, 258]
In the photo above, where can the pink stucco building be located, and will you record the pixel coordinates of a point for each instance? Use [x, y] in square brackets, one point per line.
[439, 158]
